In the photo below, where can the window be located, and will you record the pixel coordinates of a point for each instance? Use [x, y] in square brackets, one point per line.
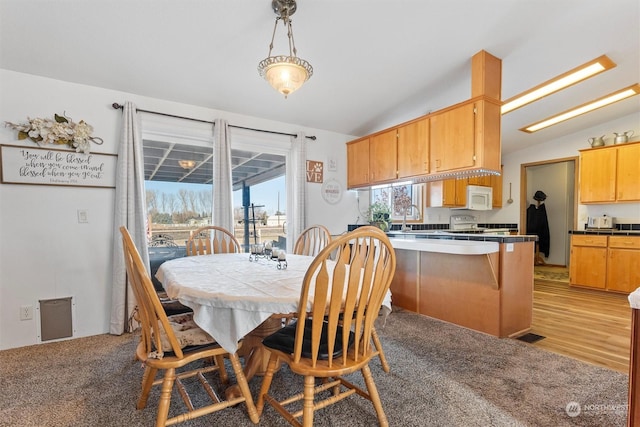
[401, 198]
[178, 167]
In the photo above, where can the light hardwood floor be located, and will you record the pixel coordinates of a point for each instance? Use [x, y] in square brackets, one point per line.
[592, 326]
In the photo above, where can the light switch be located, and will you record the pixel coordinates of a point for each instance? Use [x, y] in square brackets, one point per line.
[83, 216]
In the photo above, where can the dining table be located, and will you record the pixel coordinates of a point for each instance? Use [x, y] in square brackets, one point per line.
[238, 296]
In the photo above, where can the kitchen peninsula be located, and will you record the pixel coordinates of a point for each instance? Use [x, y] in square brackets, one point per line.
[482, 282]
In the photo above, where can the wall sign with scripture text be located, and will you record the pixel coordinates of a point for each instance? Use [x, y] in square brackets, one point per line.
[50, 166]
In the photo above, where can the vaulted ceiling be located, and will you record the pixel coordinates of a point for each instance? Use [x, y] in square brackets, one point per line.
[376, 62]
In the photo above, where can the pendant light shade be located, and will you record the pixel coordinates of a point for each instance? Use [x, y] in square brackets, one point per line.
[285, 73]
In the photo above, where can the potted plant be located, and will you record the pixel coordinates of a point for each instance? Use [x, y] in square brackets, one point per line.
[379, 214]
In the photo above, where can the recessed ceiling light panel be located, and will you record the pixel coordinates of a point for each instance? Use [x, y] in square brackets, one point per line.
[560, 82]
[585, 108]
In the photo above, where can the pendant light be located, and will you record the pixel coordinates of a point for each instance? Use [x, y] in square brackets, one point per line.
[285, 73]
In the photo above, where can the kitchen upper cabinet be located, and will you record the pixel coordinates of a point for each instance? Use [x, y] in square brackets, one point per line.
[466, 136]
[597, 176]
[627, 172]
[462, 140]
[588, 261]
[453, 138]
[358, 163]
[452, 193]
[398, 153]
[448, 193]
[413, 148]
[480, 180]
[383, 156]
[610, 174]
[495, 181]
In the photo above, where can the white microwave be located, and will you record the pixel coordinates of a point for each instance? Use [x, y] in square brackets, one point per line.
[479, 198]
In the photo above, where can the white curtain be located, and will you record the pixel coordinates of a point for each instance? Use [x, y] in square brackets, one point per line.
[222, 184]
[130, 211]
[296, 189]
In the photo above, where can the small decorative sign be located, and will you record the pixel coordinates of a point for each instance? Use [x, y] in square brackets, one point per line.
[47, 166]
[332, 191]
[332, 163]
[314, 171]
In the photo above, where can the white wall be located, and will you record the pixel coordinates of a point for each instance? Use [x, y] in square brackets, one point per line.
[44, 251]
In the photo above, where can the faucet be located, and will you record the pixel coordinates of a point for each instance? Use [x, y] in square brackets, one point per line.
[406, 227]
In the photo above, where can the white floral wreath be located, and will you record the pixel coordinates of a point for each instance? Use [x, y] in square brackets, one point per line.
[62, 131]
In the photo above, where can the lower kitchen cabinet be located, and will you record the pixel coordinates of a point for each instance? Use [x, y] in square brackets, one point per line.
[588, 262]
[605, 262]
[622, 263]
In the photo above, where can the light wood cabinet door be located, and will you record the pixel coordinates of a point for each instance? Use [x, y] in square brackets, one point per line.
[383, 157]
[448, 193]
[461, 192]
[588, 266]
[452, 139]
[628, 173]
[413, 149]
[622, 266]
[484, 180]
[622, 273]
[597, 175]
[588, 261]
[496, 185]
[358, 163]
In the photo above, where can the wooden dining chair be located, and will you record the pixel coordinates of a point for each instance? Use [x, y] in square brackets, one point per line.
[212, 240]
[169, 343]
[331, 336]
[312, 240]
[374, 333]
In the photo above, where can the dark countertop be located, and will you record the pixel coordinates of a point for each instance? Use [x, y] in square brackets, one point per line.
[396, 226]
[461, 236]
[607, 232]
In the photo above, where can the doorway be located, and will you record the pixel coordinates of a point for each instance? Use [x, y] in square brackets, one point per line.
[558, 179]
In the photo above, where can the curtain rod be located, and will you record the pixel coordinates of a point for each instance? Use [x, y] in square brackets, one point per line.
[117, 106]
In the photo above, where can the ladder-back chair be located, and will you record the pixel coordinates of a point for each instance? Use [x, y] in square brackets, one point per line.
[174, 343]
[342, 293]
[212, 240]
[312, 240]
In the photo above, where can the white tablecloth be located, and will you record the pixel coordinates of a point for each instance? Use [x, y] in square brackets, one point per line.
[231, 296]
[634, 299]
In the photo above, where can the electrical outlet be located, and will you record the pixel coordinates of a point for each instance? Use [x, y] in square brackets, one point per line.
[26, 312]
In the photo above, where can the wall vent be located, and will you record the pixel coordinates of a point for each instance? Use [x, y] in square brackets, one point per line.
[56, 319]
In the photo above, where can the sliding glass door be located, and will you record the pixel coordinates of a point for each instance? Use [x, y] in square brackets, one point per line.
[179, 166]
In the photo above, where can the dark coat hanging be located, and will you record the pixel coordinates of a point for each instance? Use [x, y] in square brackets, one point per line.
[538, 224]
